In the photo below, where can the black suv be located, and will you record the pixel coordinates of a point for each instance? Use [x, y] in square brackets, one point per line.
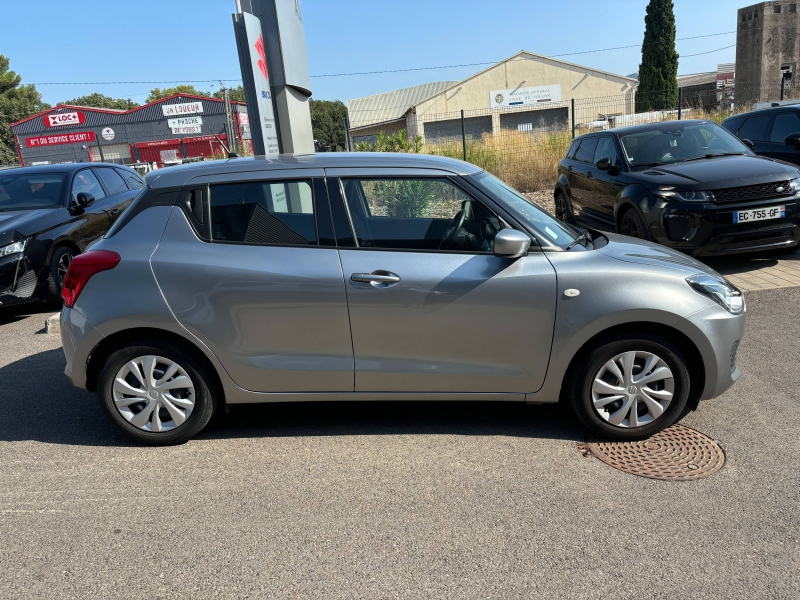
[690, 185]
[773, 132]
[50, 213]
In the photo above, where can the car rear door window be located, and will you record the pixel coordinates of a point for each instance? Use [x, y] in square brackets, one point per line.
[785, 124]
[263, 213]
[418, 214]
[132, 179]
[86, 182]
[732, 125]
[112, 180]
[586, 150]
[755, 129]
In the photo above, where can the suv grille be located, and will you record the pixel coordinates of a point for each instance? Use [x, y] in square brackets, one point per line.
[754, 192]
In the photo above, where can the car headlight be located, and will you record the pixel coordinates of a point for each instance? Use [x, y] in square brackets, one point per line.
[794, 184]
[14, 248]
[720, 291]
[669, 191]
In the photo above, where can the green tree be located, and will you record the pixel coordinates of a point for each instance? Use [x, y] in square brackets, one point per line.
[235, 94]
[158, 93]
[397, 142]
[327, 123]
[101, 101]
[17, 102]
[658, 72]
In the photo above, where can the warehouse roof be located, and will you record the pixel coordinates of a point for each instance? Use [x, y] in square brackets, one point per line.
[391, 105]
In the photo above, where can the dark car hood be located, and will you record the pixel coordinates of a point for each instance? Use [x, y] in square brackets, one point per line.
[26, 222]
[632, 250]
[717, 173]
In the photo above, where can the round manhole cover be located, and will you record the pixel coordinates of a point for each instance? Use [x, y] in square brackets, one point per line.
[675, 454]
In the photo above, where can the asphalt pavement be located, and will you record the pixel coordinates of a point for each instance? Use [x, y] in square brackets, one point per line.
[393, 500]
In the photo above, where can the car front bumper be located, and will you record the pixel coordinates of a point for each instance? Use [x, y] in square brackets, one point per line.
[707, 229]
[18, 279]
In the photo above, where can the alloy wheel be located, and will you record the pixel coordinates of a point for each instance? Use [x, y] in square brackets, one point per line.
[629, 226]
[63, 265]
[633, 389]
[153, 393]
[562, 213]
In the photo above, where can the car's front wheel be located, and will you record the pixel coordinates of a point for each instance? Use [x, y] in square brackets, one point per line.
[60, 261]
[633, 225]
[629, 387]
[563, 212]
[156, 393]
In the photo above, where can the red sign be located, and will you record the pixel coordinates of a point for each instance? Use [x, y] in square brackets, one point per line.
[157, 143]
[53, 140]
[62, 119]
[202, 138]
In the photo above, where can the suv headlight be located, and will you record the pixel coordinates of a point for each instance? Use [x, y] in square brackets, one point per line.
[795, 185]
[14, 248]
[669, 191]
[720, 291]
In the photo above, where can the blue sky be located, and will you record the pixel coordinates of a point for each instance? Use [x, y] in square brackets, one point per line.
[166, 40]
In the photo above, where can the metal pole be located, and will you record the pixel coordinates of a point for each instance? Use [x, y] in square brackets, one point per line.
[100, 148]
[463, 136]
[783, 84]
[573, 117]
[348, 147]
[680, 102]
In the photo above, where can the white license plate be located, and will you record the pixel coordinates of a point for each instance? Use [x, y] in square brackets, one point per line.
[759, 214]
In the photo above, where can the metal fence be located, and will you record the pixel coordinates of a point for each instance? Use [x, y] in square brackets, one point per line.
[524, 145]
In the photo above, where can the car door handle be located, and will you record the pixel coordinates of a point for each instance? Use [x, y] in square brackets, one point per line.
[588, 173]
[115, 211]
[376, 278]
[569, 167]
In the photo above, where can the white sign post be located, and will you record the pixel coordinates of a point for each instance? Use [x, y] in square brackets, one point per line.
[255, 79]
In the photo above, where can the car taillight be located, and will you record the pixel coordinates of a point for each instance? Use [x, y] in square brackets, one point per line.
[81, 270]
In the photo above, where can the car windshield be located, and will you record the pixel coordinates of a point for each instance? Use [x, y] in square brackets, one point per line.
[534, 215]
[28, 191]
[672, 142]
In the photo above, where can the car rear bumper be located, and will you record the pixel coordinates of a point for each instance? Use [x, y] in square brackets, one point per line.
[708, 229]
[78, 338]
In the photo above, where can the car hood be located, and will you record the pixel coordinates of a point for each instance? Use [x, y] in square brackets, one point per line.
[21, 221]
[718, 173]
[636, 251]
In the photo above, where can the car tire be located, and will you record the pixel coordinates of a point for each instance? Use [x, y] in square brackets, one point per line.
[165, 413]
[593, 387]
[563, 212]
[633, 225]
[60, 260]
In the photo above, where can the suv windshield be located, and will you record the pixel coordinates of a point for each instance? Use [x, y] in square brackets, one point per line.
[29, 191]
[674, 142]
[534, 215]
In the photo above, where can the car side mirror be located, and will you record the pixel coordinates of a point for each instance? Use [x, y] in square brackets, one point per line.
[84, 199]
[793, 140]
[749, 144]
[510, 243]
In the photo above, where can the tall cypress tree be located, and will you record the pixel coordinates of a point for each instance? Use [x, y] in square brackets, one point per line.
[658, 73]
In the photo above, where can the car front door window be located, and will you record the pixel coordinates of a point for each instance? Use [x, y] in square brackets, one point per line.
[86, 182]
[418, 214]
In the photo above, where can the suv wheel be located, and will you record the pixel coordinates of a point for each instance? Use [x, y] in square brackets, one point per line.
[60, 261]
[630, 388]
[563, 212]
[633, 225]
[156, 393]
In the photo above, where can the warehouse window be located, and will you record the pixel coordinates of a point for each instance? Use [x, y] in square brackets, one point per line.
[793, 8]
[777, 8]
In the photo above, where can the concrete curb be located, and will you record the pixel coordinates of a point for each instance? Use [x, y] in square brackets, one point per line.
[53, 324]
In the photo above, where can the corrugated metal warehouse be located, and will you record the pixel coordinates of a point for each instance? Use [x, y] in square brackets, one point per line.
[165, 131]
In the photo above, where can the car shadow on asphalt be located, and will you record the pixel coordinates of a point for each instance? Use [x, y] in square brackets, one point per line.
[11, 314]
[37, 402]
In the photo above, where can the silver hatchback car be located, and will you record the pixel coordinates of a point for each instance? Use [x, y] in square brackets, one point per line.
[383, 277]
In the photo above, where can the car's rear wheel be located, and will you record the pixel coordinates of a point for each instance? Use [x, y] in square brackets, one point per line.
[633, 225]
[60, 261]
[156, 393]
[563, 213]
[629, 387]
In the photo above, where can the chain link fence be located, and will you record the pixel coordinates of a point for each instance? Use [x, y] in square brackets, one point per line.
[523, 145]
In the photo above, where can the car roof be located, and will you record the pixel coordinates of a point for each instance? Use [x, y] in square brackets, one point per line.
[657, 126]
[182, 174]
[766, 110]
[59, 168]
